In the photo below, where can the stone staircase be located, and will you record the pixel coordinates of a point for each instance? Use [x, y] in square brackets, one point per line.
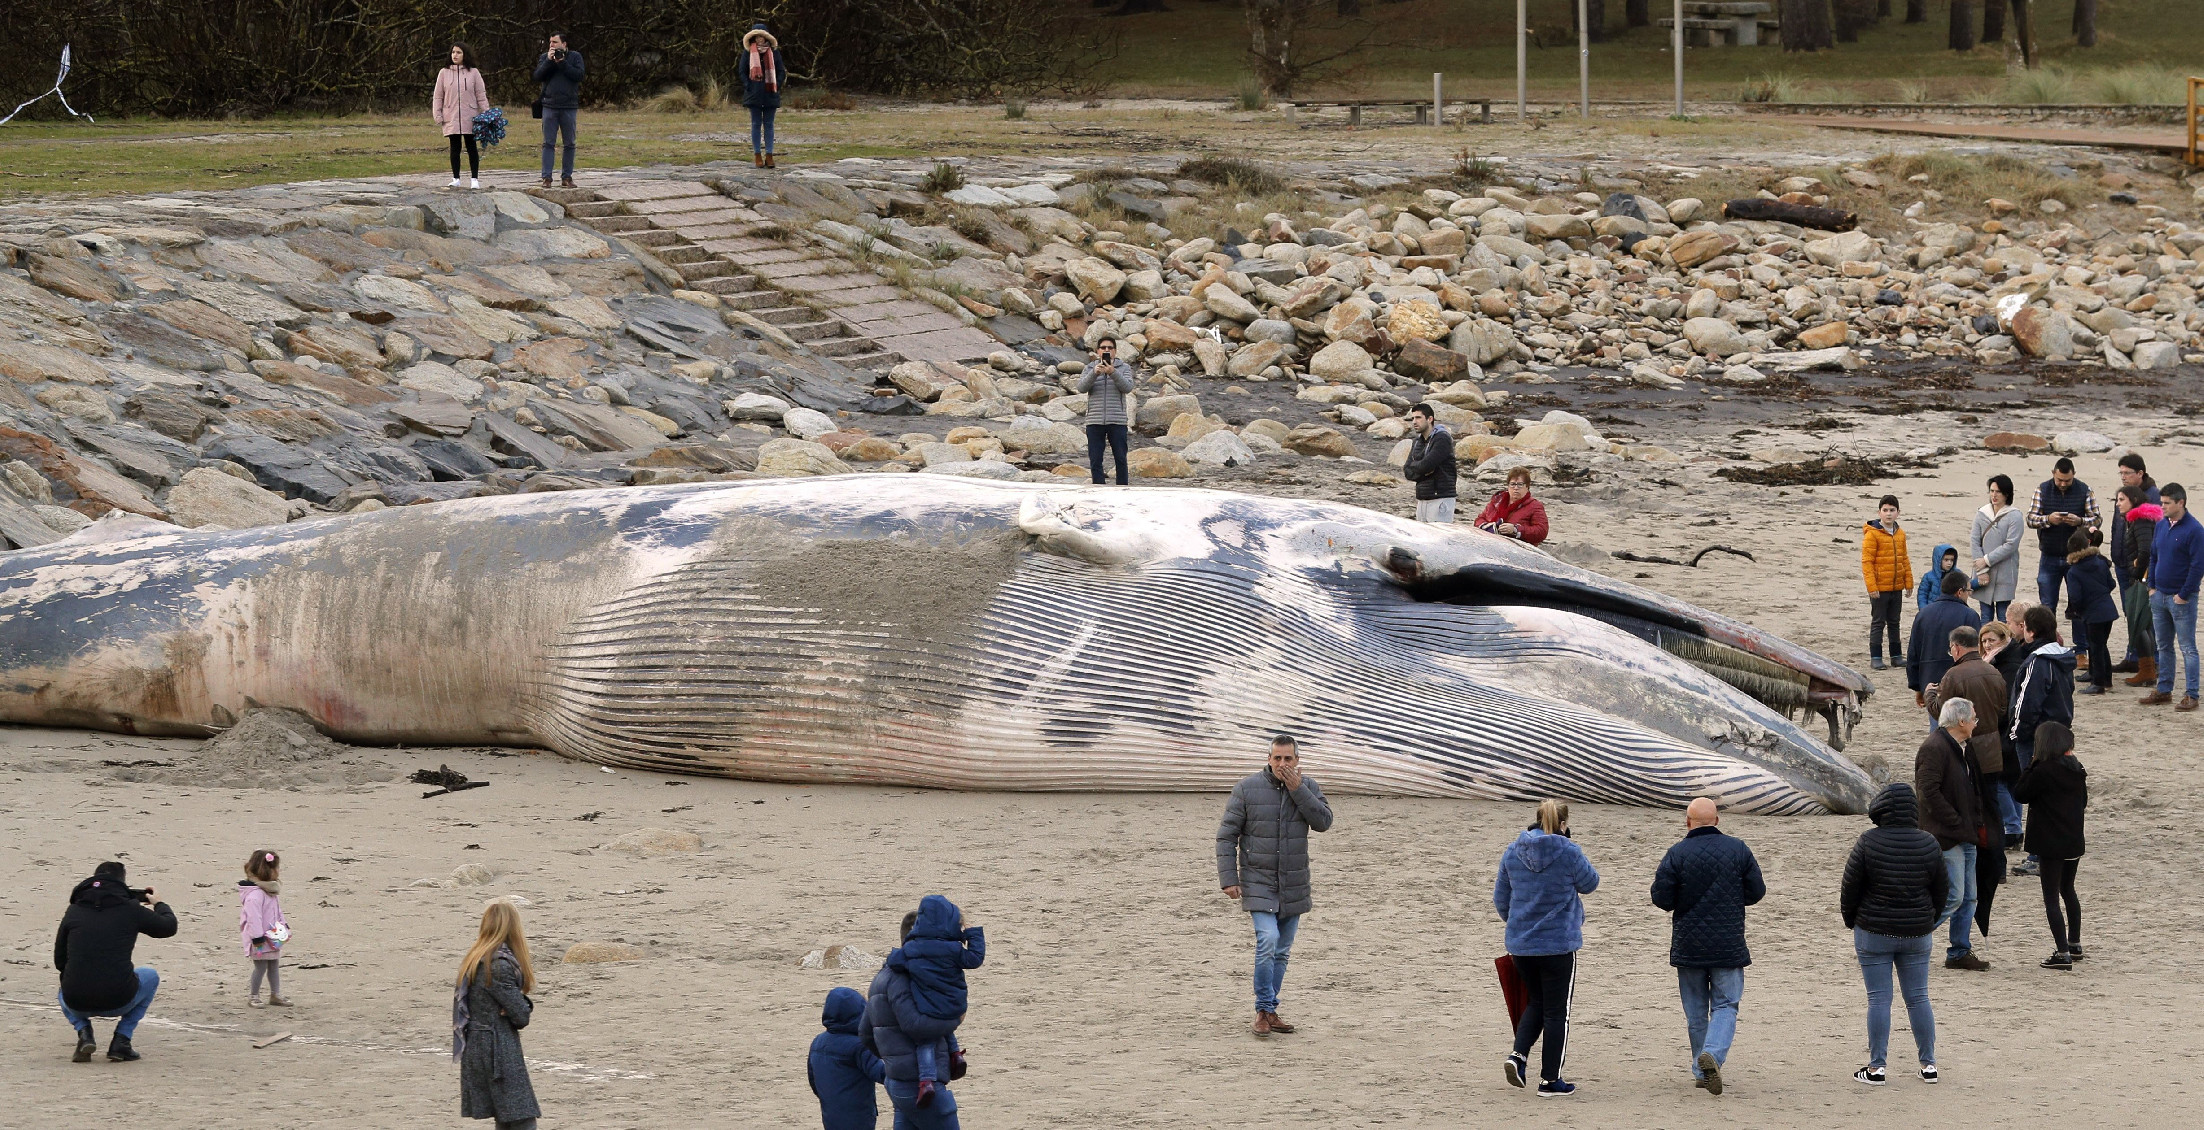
[722, 248]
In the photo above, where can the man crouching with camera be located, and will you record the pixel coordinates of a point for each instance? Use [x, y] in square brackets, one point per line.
[92, 951]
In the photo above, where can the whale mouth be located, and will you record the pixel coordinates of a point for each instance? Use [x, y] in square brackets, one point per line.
[1781, 676]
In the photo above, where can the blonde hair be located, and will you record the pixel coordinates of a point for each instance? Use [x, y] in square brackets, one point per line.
[500, 927]
[1552, 815]
[263, 866]
[1996, 629]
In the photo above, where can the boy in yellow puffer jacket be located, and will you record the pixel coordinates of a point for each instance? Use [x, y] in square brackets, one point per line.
[1889, 576]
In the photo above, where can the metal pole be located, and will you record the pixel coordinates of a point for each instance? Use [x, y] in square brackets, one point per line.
[1584, 57]
[1438, 104]
[1676, 44]
[1522, 61]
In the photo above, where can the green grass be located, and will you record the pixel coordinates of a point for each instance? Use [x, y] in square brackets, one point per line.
[1198, 50]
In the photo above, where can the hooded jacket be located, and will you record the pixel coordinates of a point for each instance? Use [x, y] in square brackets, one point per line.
[2045, 694]
[2122, 533]
[1974, 679]
[98, 932]
[891, 1026]
[459, 95]
[2056, 791]
[1894, 880]
[258, 911]
[2089, 587]
[1539, 892]
[2010, 661]
[1949, 788]
[1263, 842]
[1431, 464]
[1528, 517]
[756, 93]
[561, 79]
[1706, 881]
[1883, 561]
[1931, 588]
[1996, 538]
[2133, 555]
[842, 1067]
[1928, 653]
[935, 956]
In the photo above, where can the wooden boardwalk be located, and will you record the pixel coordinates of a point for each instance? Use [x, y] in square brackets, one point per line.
[2168, 140]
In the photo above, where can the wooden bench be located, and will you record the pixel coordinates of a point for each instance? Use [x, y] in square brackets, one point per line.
[1422, 108]
[1713, 23]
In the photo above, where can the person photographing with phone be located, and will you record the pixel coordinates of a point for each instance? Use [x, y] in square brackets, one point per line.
[560, 70]
[1107, 380]
[92, 951]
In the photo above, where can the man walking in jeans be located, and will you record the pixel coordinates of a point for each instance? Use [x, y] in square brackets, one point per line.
[1707, 880]
[560, 71]
[1263, 861]
[2176, 567]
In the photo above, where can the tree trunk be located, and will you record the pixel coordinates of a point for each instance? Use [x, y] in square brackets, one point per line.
[2085, 22]
[2024, 27]
[1917, 11]
[1271, 25]
[1882, 8]
[1596, 13]
[1993, 21]
[1637, 13]
[1350, 7]
[1962, 25]
[1851, 16]
[1806, 25]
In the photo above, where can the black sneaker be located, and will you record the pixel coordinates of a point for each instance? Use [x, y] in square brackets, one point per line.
[2074, 951]
[87, 1043]
[1872, 1076]
[2060, 960]
[1928, 1073]
[1517, 1069]
[1556, 1089]
[119, 1051]
[1712, 1073]
[1878, 664]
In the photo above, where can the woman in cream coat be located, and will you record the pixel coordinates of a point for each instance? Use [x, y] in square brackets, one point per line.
[1995, 549]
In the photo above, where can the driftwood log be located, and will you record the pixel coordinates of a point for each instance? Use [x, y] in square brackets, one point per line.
[1804, 215]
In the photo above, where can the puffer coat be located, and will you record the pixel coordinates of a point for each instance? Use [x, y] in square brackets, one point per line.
[458, 97]
[1894, 881]
[1263, 842]
[493, 1077]
[1707, 881]
[1883, 561]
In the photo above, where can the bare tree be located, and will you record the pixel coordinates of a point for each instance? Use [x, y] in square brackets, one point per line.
[1806, 25]
[1637, 13]
[2085, 22]
[1595, 12]
[2024, 27]
[1962, 25]
[1288, 48]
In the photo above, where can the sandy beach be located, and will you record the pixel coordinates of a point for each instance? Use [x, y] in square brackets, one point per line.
[1115, 991]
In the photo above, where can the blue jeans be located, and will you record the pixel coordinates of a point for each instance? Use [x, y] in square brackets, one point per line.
[1959, 865]
[2008, 809]
[2050, 573]
[1273, 945]
[941, 1114]
[761, 129]
[1710, 1010]
[2173, 624]
[556, 123]
[1993, 609]
[1879, 954]
[149, 982]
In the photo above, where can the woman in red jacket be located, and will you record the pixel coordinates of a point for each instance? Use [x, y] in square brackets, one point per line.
[1513, 513]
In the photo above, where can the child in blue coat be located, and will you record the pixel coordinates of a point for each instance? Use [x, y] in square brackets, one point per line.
[842, 1068]
[934, 957]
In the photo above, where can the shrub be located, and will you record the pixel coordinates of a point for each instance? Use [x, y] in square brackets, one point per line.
[1252, 96]
[1014, 109]
[672, 100]
[1244, 177]
[944, 177]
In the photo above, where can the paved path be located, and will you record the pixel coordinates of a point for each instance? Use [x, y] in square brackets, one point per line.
[2156, 141]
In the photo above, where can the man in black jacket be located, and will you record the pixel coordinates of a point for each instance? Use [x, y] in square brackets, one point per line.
[1707, 881]
[1431, 465]
[560, 70]
[1949, 782]
[92, 951]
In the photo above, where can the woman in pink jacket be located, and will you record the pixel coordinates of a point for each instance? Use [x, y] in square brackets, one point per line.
[260, 921]
[460, 95]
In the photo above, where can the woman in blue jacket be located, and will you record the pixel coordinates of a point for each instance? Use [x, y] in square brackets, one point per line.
[2089, 587]
[1543, 876]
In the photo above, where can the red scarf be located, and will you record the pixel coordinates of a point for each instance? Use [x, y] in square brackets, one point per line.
[761, 65]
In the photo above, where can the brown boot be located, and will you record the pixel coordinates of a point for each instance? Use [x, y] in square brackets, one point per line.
[547, 182]
[1262, 1024]
[769, 160]
[2081, 665]
[2187, 703]
[757, 160]
[566, 182]
[1278, 1023]
[2146, 673]
[2154, 698]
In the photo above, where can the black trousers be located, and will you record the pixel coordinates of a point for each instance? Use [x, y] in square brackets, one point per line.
[474, 159]
[1884, 608]
[2099, 640]
[2058, 887]
[1550, 982]
[1118, 438]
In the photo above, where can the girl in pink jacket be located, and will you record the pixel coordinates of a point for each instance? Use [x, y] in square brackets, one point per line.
[260, 922]
[459, 96]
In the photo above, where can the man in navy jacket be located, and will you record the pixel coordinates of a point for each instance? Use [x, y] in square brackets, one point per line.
[1707, 880]
[1928, 653]
[2176, 568]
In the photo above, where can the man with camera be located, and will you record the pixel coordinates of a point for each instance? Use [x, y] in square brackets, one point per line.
[560, 71]
[1108, 379]
[92, 951]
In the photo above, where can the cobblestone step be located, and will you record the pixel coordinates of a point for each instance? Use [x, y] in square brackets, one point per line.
[682, 254]
[842, 347]
[878, 360]
[731, 286]
[647, 237]
[709, 269]
[786, 315]
[752, 301]
[592, 209]
[814, 332]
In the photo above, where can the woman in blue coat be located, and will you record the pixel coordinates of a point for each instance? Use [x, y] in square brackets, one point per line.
[2090, 586]
[1543, 876]
[764, 73]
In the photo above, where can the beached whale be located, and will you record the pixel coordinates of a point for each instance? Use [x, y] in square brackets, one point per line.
[936, 631]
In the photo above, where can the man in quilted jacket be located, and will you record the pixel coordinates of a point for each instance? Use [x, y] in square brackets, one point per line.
[1706, 881]
[1263, 861]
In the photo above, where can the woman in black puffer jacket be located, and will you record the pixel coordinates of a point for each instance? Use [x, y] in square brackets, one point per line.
[1894, 888]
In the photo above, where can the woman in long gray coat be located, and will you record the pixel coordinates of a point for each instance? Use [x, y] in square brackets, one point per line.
[1995, 549]
[489, 1008]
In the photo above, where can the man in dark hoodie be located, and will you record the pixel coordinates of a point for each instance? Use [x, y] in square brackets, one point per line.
[1928, 653]
[1893, 896]
[1431, 465]
[842, 1068]
[1950, 788]
[2044, 693]
[1706, 881]
[92, 951]
[891, 1014]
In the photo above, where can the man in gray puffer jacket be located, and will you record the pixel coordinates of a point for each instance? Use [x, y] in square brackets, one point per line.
[1263, 860]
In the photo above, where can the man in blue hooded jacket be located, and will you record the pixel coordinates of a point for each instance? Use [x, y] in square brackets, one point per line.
[891, 1015]
[1706, 881]
[842, 1067]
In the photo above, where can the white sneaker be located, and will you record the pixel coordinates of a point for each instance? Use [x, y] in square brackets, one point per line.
[474, 182]
[455, 182]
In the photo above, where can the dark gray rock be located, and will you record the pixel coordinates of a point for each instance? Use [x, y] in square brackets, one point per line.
[171, 413]
[287, 469]
[156, 342]
[499, 433]
[462, 216]
[1140, 206]
[453, 460]
[139, 460]
[1325, 237]
[435, 415]
[407, 494]
[1015, 329]
[1268, 270]
[388, 463]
